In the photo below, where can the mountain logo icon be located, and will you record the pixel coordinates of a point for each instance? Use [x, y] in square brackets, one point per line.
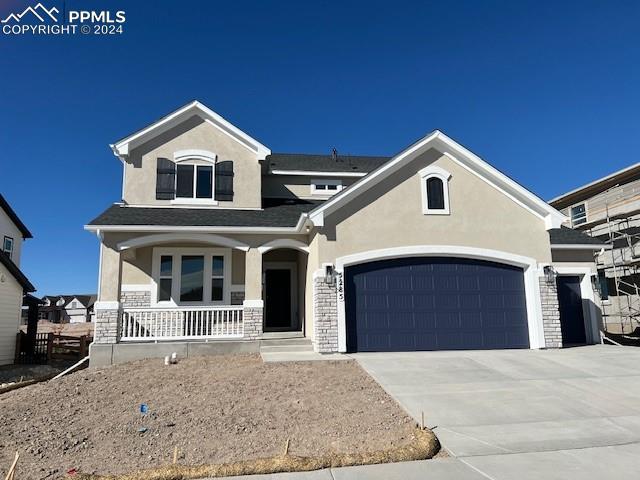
[39, 12]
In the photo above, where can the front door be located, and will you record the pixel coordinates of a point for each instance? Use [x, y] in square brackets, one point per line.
[277, 304]
[571, 314]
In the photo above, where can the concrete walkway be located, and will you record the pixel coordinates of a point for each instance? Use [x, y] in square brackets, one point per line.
[526, 414]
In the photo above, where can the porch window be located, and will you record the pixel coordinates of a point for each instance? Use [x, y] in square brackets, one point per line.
[192, 278]
[217, 278]
[192, 275]
[166, 278]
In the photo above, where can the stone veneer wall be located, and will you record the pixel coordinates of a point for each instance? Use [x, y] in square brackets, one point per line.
[325, 317]
[252, 319]
[550, 314]
[136, 299]
[107, 324]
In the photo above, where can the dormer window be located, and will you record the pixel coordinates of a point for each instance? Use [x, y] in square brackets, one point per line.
[434, 183]
[194, 181]
[325, 187]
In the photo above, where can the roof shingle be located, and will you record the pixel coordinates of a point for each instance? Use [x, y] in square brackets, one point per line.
[324, 163]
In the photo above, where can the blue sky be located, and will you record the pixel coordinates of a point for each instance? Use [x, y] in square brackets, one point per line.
[545, 91]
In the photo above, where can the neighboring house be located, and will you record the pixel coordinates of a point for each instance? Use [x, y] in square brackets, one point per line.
[67, 308]
[217, 237]
[608, 209]
[13, 283]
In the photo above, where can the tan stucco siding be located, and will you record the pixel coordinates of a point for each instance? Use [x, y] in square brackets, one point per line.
[10, 305]
[294, 186]
[140, 168]
[390, 215]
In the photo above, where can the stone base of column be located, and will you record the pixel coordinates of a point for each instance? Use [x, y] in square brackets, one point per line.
[325, 317]
[550, 314]
[252, 318]
[107, 329]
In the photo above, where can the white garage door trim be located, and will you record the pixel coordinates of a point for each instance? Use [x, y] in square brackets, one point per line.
[529, 265]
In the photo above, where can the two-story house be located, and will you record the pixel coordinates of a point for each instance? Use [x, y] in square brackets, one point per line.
[609, 209]
[67, 308]
[218, 243]
[13, 283]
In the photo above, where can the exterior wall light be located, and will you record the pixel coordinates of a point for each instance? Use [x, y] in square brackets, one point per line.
[329, 275]
[550, 274]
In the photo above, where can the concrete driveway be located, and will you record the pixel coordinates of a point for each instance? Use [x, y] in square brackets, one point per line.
[572, 413]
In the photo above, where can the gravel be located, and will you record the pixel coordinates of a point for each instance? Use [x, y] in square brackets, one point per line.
[214, 409]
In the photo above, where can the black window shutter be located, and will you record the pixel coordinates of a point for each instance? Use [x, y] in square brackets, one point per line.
[165, 179]
[224, 181]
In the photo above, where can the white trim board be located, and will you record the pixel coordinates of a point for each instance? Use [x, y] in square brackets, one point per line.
[122, 148]
[182, 237]
[529, 266]
[315, 173]
[587, 246]
[439, 141]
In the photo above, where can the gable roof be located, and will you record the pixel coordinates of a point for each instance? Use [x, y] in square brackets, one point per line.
[458, 153]
[14, 218]
[122, 147]
[276, 213]
[359, 165]
[16, 273]
[87, 300]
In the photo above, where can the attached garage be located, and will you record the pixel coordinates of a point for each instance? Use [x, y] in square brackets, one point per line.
[434, 303]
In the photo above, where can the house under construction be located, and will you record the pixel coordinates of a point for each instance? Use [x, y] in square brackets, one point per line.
[609, 209]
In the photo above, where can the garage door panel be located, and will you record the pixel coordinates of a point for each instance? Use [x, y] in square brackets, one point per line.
[435, 303]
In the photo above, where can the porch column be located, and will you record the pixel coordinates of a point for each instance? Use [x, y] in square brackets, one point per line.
[253, 306]
[107, 308]
[550, 313]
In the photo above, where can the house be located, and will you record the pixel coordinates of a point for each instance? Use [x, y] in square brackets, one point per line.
[219, 238]
[13, 283]
[67, 308]
[608, 209]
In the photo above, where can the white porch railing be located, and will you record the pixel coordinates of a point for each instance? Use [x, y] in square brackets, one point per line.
[181, 323]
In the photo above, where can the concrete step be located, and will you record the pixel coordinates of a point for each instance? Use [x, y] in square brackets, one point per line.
[285, 341]
[279, 335]
[301, 347]
[301, 357]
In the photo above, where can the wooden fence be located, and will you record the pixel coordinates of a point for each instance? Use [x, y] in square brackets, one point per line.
[49, 346]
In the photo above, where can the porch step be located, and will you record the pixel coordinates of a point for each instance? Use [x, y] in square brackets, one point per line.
[293, 350]
[306, 347]
[280, 335]
[285, 341]
[301, 357]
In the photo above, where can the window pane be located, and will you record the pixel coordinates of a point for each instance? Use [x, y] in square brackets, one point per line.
[204, 188]
[166, 265]
[578, 214]
[321, 186]
[191, 278]
[217, 289]
[184, 184]
[435, 194]
[332, 187]
[217, 267]
[604, 285]
[165, 290]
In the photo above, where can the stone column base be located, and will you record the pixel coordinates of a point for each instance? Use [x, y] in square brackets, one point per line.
[325, 316]
[252, 317]
[107, 321]
[550, 314]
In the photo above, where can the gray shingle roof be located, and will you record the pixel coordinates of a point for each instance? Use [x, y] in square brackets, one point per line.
[569, 236]
[273, 214]
[324, 163]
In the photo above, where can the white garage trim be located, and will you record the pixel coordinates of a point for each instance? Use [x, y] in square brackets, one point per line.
[586, 292]
[529, 265]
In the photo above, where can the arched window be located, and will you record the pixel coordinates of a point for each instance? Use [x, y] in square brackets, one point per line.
[435, 190]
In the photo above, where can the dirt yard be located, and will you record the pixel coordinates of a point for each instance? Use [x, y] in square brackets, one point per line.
[214, 409]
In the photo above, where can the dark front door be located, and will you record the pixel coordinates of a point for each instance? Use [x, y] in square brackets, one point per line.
[435, 304]
[571, 314]
[277, 304]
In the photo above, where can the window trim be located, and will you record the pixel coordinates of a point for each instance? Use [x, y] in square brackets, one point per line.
[176, 273]
[586, 212]
[315, 191]
[196, 158]
[440, 173]
[9, 253]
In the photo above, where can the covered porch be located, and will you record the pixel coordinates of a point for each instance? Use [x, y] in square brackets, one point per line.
[199, 287]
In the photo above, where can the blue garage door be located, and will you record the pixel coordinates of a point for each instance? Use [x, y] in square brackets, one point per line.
[435, 304]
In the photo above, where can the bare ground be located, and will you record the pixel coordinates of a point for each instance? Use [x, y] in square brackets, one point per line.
[214, 409]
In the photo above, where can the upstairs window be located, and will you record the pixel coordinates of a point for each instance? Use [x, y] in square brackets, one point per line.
[194, 181]
[325, 187]
[578, 214]
[7, 246]
[434, 183]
